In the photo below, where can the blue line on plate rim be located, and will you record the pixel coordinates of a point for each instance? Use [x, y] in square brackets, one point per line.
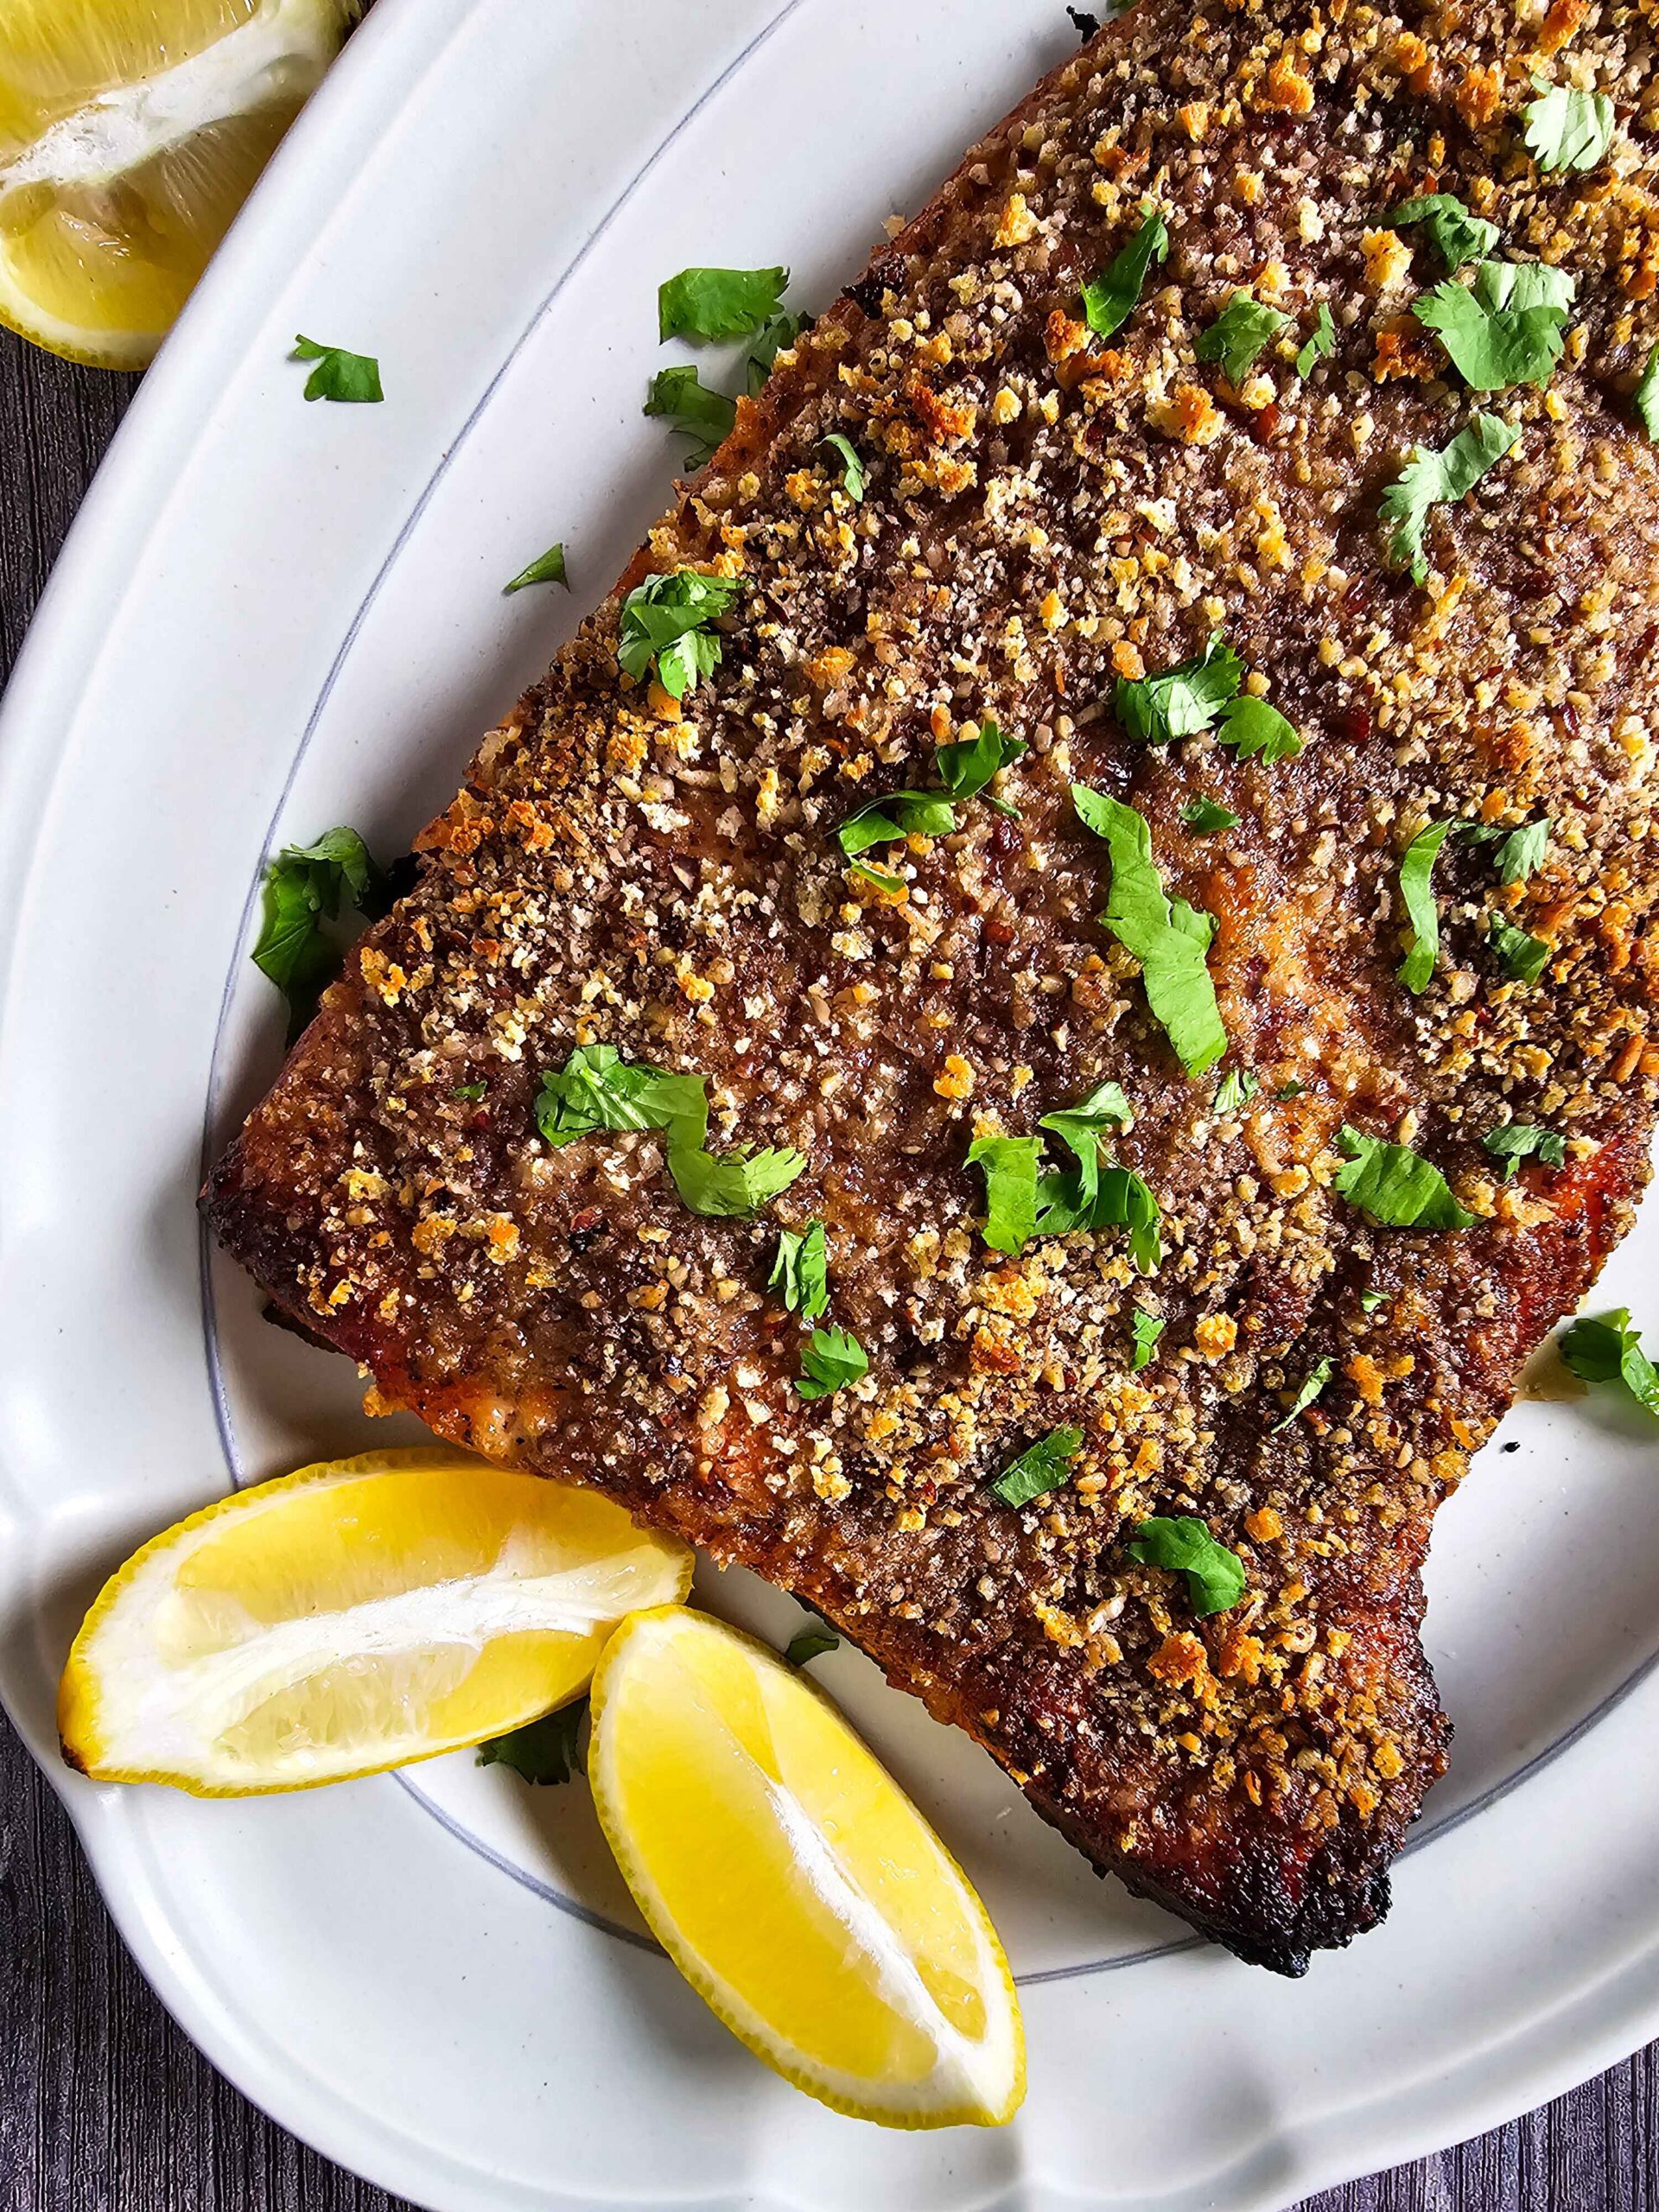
[218, 1390]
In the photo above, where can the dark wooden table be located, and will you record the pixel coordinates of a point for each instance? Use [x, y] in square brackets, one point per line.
[104, 2107]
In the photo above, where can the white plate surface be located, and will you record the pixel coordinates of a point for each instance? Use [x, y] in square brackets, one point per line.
[274, 617]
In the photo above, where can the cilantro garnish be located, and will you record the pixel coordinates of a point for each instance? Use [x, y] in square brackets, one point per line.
[666, 619]
[830, 1358]
[1215, 1576]
[1169, 936]
[1145, 1329]
[1429, 479]
[1567, 129]
[338, 374]
[810, 1643]
[1041, 1466]
[705, 416]
[1396, 1186]
[1647, 394]
[470, 1092]
[732, 1185]
[1318, 1375]
[716, 303]
[1182, 701]
[1108, 302]
[1237, 1086]
[1257, 731]
[1514, 1141]
[1607, 1349]
[1523, 957]
[1416, 889]
[1456, 235]
[305, 886]
[1084, 1124]
[763, 349]
[1521, 854]
[1370, 1300]
[800, 1273]
[1321, 342]
[1238, 334]
[544, 1750]
[1294, 1089]
[1506, 327]
[1096, 1193]
[852, 468]
[549, 569]
[1204, 816]
[966, 767]
[1009, 1165]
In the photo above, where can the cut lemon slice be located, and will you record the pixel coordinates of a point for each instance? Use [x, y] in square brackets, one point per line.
[353, 1616]
[130, 132]
[793, 1883]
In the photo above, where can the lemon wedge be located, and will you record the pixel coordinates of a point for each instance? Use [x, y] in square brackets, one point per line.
[130, 132]
[355, 1616]
[793, 1883]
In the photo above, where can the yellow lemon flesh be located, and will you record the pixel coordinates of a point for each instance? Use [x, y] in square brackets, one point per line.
[793, 1883]
[130, 132]
[353, 1617]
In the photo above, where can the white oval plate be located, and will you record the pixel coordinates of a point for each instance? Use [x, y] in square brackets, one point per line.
[274, 617]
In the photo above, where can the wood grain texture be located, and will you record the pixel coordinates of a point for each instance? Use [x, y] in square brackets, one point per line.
[105, 2105]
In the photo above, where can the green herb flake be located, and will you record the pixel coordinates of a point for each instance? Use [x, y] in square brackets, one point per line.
[1431, 480]
[1257, 731]
[1145, 1329]
[810, 1643]
[338, 374]
[1319, 344]
[900, 814]
[1169, 936]
[1567, 129]
[763, 349]
[1522, 852]
[1040, 1467]
[731, 1185]
[549, 569]
[543, 1751]
[1396, 1186]
[1417, 890]
[1318, 1375]
[680, 396]
[1108, 302]
[1235, 1091]
[1456, 235]
[470, 1092]
[1514, 1141]
[1607, 1349]
[852, 468]
[800, 1273]
[965, 768]
[1215, 1576]
[1096, 1193]
[306, 885]
[1647, 396]
[1182, 701]
[1204, 817]
[718, 304]
[667, 621]
[1009, 1167]
[830, 1359]
[1370, 1300]
[597, 1090]
[1523, 957]
[1506, 327]
[1238, 334]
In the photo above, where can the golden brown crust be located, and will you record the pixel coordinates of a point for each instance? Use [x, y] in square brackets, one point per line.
[1046, 511]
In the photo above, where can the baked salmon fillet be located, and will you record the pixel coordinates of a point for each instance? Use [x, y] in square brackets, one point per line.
[1187, 743]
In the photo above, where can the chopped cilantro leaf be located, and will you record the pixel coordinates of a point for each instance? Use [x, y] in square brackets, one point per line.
[1607, 1349]
[811, 1644]
[732, 1185]
[1237, 1086]
[1182, 701]
[768, 342]
[900, 814]
[1238, 334]
[716, 303]
[1169, 936]
[705, 416]
[597, 1090]
[1647, 394]
[1567, 129]
[305, 886]
[1145, 1329]
[1083, 1126]
[1318, 1375]
[338, 374]
[966, 767]
[1294, 1089]
[800, 1273]
[1521, 854]
[1456, 235]
[667, 619]
[1215, 1576]
[1204, 816]
[1010, 1166]
[471, 1092]
[1321, 342]
[1396, 1186]
[830, 1358]
[1506, 327]
[852, 468]
[1370, 1300]
[1523, 957]
[1514, 1141]
[1430, 480]
[1257, 731]
[1108, 302]
[544, 1750]
[549, 569]
[1416, 889]
[1095, 1193]
[1040, 1467]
